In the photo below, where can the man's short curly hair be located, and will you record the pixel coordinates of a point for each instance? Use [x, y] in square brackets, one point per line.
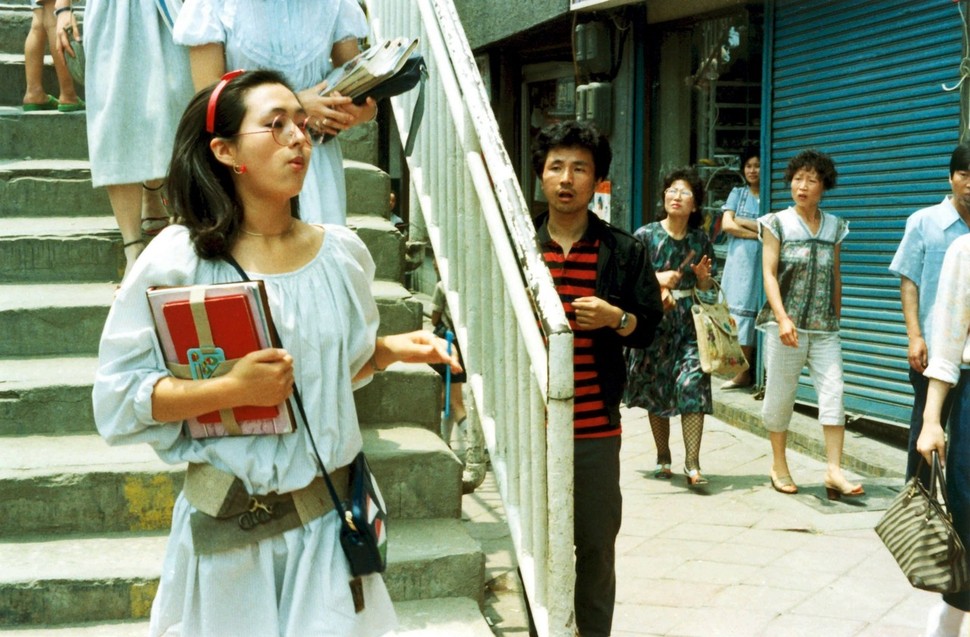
[816, 160]
[573, 134]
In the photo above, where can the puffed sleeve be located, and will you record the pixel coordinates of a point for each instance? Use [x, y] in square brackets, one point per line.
[351, 22]
[360, 271]
[772, 224]
[201, 22]
[842, 231]
[950, 345]
[130, 360]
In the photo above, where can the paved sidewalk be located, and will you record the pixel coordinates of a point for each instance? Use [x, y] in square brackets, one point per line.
[739, 558]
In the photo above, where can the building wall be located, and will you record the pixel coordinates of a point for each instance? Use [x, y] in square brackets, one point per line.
[489, 21]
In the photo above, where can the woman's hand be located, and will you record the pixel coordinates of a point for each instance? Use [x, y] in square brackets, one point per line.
[415, 347]
[669, 279]
[64, 20]
[667, 299]
[263, 378]
[360, 114]
[325, 112]
[787, 332]
[702, 270]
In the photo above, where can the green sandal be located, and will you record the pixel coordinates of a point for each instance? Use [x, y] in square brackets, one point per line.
[72, 108]
[50, 105]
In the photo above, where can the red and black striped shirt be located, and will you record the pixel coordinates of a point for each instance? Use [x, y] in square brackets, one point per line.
[575, 277]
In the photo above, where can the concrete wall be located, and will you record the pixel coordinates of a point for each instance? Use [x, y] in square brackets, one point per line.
[488, 21]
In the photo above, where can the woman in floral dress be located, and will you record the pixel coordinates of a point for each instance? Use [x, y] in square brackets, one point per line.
[666, 377]
[801, 251]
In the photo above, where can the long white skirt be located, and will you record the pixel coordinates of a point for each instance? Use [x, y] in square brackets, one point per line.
[291, 585]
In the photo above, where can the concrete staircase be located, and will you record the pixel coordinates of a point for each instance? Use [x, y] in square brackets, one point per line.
[83, 525]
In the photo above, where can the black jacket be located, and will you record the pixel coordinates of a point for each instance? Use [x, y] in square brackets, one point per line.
[624, 278]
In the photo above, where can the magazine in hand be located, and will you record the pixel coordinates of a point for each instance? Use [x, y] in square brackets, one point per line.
[203, 331]
[356, 78]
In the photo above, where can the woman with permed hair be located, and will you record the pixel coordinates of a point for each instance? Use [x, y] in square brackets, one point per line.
[801, 250]
[241, 156]
[666, 378]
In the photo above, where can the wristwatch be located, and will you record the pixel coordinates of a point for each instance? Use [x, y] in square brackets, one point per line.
[623, 322]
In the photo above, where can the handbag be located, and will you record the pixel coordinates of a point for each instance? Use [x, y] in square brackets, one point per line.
[918, 531]
[363, 516]
[717, 336]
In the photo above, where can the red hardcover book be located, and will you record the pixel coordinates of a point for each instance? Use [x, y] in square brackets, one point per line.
[235, 322]
[233, 331]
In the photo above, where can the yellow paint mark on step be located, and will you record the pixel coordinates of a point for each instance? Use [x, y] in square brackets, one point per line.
[142, 594]
[150, 499]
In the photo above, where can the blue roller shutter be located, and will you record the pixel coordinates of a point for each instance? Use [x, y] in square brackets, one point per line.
[861, 81]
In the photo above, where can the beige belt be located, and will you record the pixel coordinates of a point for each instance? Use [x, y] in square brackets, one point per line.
[226, 516]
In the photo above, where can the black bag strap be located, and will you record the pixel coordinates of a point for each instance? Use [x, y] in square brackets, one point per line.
[337, 504]
[418, 113]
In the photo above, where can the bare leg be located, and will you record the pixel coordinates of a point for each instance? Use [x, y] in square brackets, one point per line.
[834, 440]
[34, 60]
[126, 205]
[68, 95]
[154, 215]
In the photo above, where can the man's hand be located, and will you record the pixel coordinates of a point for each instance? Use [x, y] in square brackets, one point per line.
[593, 313]
[918, 356]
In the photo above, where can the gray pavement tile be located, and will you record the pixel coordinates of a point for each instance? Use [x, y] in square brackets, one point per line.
[729, 622]
[782, 577]
[743, 554]
[791, 625]
[776, 601]
[850, 599]
[718, 573]
[643, 620]
[676, 591]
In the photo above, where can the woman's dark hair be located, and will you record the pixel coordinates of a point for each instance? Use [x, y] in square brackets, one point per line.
[200, 188]
[696, 218]
[749, 151]
[815, 160]
[573, 134]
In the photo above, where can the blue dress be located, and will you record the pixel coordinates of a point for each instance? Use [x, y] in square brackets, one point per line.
[741, 281]
[665, 378]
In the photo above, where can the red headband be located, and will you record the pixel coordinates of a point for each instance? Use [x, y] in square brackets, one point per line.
[210, 114]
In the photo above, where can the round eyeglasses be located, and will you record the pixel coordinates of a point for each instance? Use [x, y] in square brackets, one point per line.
[673, 192]
[284, 128]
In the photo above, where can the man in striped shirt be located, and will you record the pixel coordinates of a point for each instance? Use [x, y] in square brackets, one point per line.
[611, 297]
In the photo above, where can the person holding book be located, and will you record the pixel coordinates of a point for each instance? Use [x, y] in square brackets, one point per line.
[302, 39]
[241, 156]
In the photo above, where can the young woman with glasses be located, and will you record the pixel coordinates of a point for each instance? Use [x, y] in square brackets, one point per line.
[240, 160]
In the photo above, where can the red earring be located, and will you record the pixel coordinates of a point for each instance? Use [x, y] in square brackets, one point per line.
[239, 169]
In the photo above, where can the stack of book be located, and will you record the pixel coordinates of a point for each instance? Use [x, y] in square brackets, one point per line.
[360, 76]
[203, 331]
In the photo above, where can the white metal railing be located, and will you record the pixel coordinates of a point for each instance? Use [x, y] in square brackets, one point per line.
[510, 324]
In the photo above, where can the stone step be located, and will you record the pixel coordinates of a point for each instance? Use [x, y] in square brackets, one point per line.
[42, 135]
[443, 617]
[49, 249]
[385, 242]
[61, 249]
[78, 484]
[76, 580]
[46, 187]
[51, 396]
[360, 144]
[368, 189]
[64, 319]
